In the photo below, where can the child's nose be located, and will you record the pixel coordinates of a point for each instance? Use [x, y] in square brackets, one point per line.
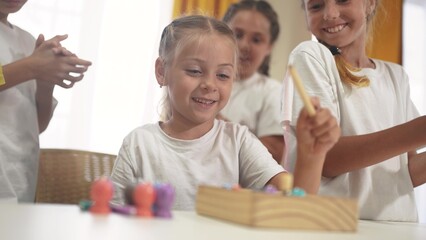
[331, 11]
[209, 83]
[244, 43]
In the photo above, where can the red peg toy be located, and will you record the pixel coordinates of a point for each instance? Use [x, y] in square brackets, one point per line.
[144, 197]
[101, 193]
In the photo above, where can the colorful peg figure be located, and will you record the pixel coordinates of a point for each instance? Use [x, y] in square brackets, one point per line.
[101, 193]
[286, 184]
[165, 195]
[144, 197]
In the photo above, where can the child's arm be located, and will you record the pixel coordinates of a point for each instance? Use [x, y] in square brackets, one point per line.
[316, 135]
[356, 152]
[417, 168]
[49, 63]
[58, 63]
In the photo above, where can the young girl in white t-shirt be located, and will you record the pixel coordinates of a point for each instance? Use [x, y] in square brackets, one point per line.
[197, 64]
[375, 160]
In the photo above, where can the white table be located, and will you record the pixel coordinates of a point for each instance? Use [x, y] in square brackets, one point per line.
[61, 222]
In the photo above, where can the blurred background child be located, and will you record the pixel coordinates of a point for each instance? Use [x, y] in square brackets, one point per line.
[255, 97]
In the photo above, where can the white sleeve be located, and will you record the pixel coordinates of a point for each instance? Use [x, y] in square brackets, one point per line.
[122, 174]
[257, 166]
[269, 117]
[317, 70]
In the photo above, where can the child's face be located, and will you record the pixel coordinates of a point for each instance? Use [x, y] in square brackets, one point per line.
[252, 31]
[338, 23]
[200, 79]
[10, 6]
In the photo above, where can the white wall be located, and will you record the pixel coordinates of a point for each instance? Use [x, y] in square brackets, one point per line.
[293, 30]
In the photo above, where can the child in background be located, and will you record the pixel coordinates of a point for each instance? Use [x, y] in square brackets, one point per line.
[197, 64]
[375, 160]
[26, 102]
[255, 98]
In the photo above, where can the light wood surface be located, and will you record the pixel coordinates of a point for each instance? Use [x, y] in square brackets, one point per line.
[301, 90]
[67, 222]
[259, 209]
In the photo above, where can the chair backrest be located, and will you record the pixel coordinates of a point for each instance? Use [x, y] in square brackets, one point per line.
[65, 176]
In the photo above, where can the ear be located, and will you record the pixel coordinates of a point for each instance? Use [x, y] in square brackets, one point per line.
[160, 72]
[371, 6]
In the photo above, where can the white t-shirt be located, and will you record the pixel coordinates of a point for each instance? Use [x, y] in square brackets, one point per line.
[384, 190]
[255, 103]
[227, 154]
[19, 133]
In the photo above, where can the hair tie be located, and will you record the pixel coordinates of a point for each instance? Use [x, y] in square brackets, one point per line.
[335, 50]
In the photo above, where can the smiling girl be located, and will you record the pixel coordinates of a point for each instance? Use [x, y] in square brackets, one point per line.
[197, 64]
[375, 160]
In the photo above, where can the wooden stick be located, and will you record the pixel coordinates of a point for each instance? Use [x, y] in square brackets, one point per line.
[301, 90]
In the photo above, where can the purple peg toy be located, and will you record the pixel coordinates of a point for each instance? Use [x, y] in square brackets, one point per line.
[270, 189]
[165, 196]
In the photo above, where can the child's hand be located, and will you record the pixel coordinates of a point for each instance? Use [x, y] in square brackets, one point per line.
[55, 65]
[317, 135]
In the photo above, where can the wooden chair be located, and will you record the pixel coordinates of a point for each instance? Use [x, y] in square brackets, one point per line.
[65, 176]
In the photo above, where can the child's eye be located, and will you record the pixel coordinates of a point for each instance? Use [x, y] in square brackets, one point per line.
[193, 72]
[257, 40]
[238, 35]
[223, 76]
[342, 1]
[314, 6]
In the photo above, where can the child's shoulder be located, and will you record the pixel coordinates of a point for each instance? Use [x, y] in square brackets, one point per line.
[232, 129]
[395, 70]
[23, 33]
[147, 129]
[312, 50]
[312, 47]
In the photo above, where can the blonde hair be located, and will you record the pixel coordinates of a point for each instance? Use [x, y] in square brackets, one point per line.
[182, 31]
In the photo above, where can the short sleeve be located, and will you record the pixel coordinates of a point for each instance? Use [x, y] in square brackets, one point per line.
[257, 166]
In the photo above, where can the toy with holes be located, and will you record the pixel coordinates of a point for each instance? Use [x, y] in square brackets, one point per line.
[285, 208]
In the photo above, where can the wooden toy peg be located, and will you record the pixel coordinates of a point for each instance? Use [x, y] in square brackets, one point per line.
[286, 183]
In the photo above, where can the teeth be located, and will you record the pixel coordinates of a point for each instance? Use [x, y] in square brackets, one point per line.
[203, 101]
[335, 29]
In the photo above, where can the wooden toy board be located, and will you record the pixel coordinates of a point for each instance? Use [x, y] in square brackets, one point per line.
[259, 209]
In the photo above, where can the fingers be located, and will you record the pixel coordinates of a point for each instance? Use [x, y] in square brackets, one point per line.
[62, 51]
[58, 38]
[68, 80]
[78, 61]
[325, 127]
[65, 84]
[40, 40]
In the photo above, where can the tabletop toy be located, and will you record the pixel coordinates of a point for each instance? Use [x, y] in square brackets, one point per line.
[278, 208]
[144, 197]
[165, 195]
[101, 193]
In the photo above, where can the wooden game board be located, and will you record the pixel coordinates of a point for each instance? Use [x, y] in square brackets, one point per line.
[259, 209]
